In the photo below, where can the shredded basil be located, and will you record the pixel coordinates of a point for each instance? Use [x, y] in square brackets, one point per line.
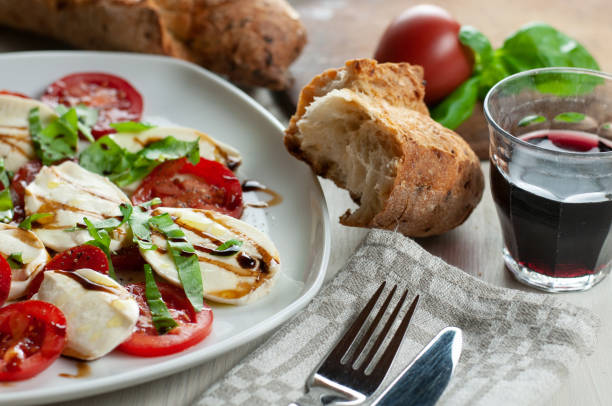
[6, 206]
[184, 257]
[101, 239]
[229, 247]
[58, 140]
[131, 126]
[87, 118]
[15, 260]
[162, 319]
[5, 175]
[26, 224]
[107, 158]
[138, 220]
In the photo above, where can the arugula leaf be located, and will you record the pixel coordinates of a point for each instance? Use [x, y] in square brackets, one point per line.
[569, 117]
[531, 119]
[87, 118]
[56, 141]
[107, 158]
[185, 259]
[26, 224]
[162, 319]
[458, 106]
[131, 126]
[5, 175]
[101, 239]
[6, 206]
[15, 260]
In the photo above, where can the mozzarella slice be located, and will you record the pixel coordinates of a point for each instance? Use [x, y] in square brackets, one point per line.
[100, 313]
[14, 240]
[70, 193]
[235, 279]
[15, 143]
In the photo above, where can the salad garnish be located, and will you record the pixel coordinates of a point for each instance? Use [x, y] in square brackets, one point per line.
[162, 319]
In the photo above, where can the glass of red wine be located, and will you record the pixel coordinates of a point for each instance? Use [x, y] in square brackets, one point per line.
[551, 175]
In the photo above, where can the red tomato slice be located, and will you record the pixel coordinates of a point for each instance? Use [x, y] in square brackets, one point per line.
[128, 259]
[10, 93]
[83, 256]
[114, 97]
[193, 327]
[207, 185]
[5, 279]
[20, 181]
[32, 336]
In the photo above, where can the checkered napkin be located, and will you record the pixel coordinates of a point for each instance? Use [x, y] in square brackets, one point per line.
[517, 346]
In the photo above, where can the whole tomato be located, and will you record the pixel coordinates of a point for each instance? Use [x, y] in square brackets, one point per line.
[427, 35]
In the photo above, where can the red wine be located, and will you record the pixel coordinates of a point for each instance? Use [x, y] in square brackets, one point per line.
[556, 237]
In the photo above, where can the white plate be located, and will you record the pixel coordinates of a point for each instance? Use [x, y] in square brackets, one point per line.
[191, 96]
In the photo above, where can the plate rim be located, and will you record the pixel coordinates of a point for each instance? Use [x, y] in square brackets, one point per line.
[172, 366]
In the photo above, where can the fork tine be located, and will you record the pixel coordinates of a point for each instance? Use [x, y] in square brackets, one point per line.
[373, 325]
[382, 367]
[344, 344]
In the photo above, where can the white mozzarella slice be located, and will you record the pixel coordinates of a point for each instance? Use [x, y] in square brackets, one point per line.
[100, 313]
[14, 240]
[235, 279]
[15, 143]
[70, 193]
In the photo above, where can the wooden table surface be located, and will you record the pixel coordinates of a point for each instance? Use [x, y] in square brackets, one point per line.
[473, 247]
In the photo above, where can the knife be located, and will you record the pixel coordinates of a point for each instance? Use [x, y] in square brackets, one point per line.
[422, 382]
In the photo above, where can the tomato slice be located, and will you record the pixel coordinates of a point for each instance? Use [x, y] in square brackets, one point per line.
[83, 256]
[193, 327]
[114, 97]
[207, 185]
[32, 336]
[11, 93]
[20, 181]
[5, 279]
[128, 259]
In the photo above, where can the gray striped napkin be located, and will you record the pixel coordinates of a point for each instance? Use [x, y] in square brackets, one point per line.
[518, 347]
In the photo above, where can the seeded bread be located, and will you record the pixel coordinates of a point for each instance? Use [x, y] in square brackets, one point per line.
[365, 127]
[252, 42]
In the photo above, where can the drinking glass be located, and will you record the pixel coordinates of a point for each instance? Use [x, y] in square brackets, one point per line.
[551, 175]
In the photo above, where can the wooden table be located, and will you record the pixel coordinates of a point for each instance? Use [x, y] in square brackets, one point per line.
[473, 247]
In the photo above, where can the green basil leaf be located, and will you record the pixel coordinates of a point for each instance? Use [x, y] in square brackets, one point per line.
[87, 118]
[131, 126]
[26, 224]
[229, 247]
[138, 220]
[5, 175]
[531, 119]
[184, 257]
[569, 117]
[104, 157]
[458, 106]
[6, 206]
[153, 202]
[229, 243]
[56, 141]
[483, 51]
[102, 240]
[15, 260]
[166, 149]
[162, 319]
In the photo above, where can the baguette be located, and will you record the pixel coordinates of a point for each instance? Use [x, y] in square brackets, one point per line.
[252, 42]
[366, 127]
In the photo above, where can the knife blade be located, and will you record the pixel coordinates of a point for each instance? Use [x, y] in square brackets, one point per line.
[422, 382]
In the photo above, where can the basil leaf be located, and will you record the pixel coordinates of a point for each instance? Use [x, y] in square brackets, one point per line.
[26, 224]
[569, 117]
[15, 260]
[5, 176]
[153, 202]
[483, 51]
[131, 126]
[56, 141]
[101, 239]
[87, 118]
[138, 220]
[162, 319]
[6, 206]
[531, 119]
[458, 106]
[185, 259]
[104, 157]
[166, 149]
[229, 247]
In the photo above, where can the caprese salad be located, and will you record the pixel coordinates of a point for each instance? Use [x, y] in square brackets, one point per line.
[113, 231]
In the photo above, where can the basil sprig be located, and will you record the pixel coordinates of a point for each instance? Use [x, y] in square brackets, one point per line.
[26, 224]
[162, 319]
[535, 45]
[102, 240]
[184, 257]
[131, 126]
[6, 202]
[107, 158]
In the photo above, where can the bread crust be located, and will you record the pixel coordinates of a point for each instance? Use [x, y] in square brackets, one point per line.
[252, 42]
[438, 180]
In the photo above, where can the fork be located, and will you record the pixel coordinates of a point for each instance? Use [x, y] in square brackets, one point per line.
[339, 378]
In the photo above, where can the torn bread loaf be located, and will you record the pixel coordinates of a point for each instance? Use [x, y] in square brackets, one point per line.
[252, 42]
[365, 126]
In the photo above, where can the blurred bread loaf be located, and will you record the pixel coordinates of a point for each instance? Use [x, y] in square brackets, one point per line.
[252, 42]
[365, 126]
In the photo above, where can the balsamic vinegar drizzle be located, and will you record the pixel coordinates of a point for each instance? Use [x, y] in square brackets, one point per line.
[83, 371]
[255, 186]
